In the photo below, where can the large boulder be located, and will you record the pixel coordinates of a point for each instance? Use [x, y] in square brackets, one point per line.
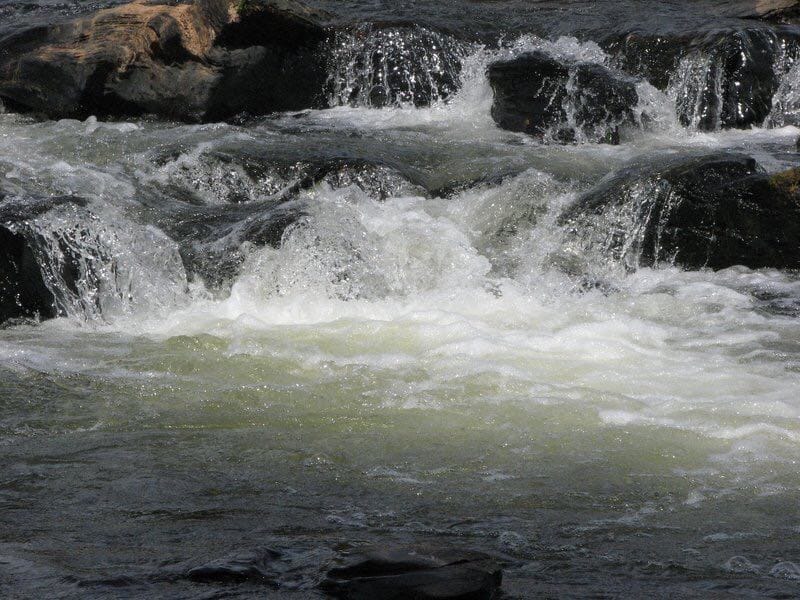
[712, 211]
[207, 60]
[565, 101]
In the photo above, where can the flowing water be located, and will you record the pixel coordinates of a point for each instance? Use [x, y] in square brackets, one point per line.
[407, 365]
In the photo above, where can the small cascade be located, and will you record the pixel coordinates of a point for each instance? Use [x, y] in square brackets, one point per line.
[786, 101]
[729, 81]
[375, 67]
[350, 246]
[98, 267]
[596, 105]
[627, 230]
[696, 88]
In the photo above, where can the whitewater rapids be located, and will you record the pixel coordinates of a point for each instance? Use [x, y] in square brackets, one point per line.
[402, 368]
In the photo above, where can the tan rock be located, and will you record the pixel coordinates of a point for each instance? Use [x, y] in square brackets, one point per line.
[145, 58]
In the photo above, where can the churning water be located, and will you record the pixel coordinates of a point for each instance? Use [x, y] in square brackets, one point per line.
[411, 362]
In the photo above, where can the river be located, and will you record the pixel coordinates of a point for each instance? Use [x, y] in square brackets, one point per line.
[406, 366]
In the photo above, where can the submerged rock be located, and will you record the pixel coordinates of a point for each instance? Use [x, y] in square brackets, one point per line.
[250, 566]
[376, 180]
[547, 97]
[235, 176]
[421, 574]
[206, 60]
[211, 238]
[222, 201]
[713, 211]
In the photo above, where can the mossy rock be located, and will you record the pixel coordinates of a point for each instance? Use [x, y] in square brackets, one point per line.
[787, 182]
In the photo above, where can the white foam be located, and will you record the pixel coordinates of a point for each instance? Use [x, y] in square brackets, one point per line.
[434, 304]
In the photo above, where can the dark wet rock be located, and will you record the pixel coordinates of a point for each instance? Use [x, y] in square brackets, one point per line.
[203, 61]
[253, 567]
[529, 92]
[261, 80]
[547, 97]
[713, 211]
[421, 574]
[286, 23]
[649, 56]
[23, 290]
[271, 59]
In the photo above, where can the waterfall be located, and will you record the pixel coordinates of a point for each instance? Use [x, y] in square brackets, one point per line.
[396, 66]
[101, 266]
[729, 81]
